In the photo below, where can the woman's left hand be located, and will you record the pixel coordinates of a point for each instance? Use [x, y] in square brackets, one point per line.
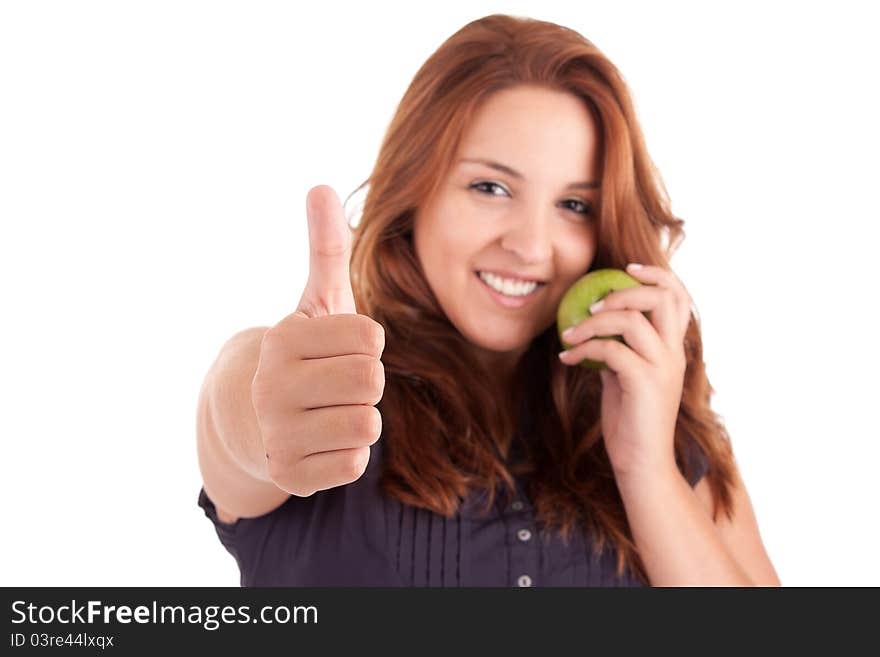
[642, 387]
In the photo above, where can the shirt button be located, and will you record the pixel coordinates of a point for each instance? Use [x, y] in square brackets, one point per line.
[524, 580]
[517, 506]
[524, 534]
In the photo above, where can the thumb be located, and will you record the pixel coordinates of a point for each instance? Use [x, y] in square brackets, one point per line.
[328, 290]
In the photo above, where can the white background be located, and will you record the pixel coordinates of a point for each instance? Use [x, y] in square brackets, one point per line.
[154, 162]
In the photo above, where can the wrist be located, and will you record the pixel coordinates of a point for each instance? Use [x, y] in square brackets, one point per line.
[647, 476]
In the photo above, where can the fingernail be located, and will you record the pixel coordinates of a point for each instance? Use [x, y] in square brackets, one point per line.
[563, 355]
[634, 266]
[568, 333]
[597, 306]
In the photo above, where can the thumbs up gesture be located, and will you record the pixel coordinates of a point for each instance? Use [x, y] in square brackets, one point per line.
[320, 375]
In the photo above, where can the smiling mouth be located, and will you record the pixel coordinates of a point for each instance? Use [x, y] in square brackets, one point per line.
[516, 279]
[537, 285]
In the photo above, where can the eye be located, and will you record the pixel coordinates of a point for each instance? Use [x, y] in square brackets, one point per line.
[479, 185]
[585, 209]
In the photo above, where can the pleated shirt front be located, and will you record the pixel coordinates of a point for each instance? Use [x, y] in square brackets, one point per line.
[354, 535]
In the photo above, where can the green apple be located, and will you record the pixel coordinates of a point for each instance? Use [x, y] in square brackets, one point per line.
[587, 290]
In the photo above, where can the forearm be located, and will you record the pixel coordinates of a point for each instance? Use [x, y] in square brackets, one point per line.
[230, 412]
[675, 538]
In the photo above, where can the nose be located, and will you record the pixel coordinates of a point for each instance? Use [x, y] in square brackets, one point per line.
[530, 238]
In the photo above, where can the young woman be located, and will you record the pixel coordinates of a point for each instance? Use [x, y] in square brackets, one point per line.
[412, 422]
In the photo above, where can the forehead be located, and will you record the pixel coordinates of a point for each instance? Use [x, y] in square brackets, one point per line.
[533, 128]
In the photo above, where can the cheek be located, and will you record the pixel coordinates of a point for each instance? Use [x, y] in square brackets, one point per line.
[457, 238]
[578, 251]
[447, 247]
[573, 260]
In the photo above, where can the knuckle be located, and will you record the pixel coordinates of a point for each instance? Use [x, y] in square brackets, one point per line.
[365, 422]
[372, 335]
[374, 428]
[356, 463]
[380, 338]
[370, 374]
[271, 340]
[377, 380]
[309, 309]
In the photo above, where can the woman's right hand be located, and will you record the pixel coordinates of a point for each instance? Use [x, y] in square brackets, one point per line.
[320, 375]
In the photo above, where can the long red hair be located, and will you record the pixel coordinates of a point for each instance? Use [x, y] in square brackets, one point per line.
[445, 430]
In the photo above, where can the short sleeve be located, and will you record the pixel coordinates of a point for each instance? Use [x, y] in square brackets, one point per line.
[698, 464]
[226, 532]
[262, 545]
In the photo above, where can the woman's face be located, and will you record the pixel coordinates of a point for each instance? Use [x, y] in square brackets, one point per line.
[529, 221]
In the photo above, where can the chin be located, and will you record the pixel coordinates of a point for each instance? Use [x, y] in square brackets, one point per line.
[502, 344]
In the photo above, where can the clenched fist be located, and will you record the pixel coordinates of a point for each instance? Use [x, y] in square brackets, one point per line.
[320, 375]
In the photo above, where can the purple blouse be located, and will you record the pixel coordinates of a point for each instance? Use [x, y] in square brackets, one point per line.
[354, 535]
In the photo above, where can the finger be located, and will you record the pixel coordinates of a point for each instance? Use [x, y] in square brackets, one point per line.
[666, 278]
[325, 337]
[328, 290]
[322, 382]
[619, 358]
[323, 430]
[659, 302]
[335, 468]
[632, 325]
[340, 427]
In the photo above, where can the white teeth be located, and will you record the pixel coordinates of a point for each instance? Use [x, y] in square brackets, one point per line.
[507, 286]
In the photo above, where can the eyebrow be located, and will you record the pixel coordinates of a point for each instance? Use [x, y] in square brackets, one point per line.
[516, 174]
